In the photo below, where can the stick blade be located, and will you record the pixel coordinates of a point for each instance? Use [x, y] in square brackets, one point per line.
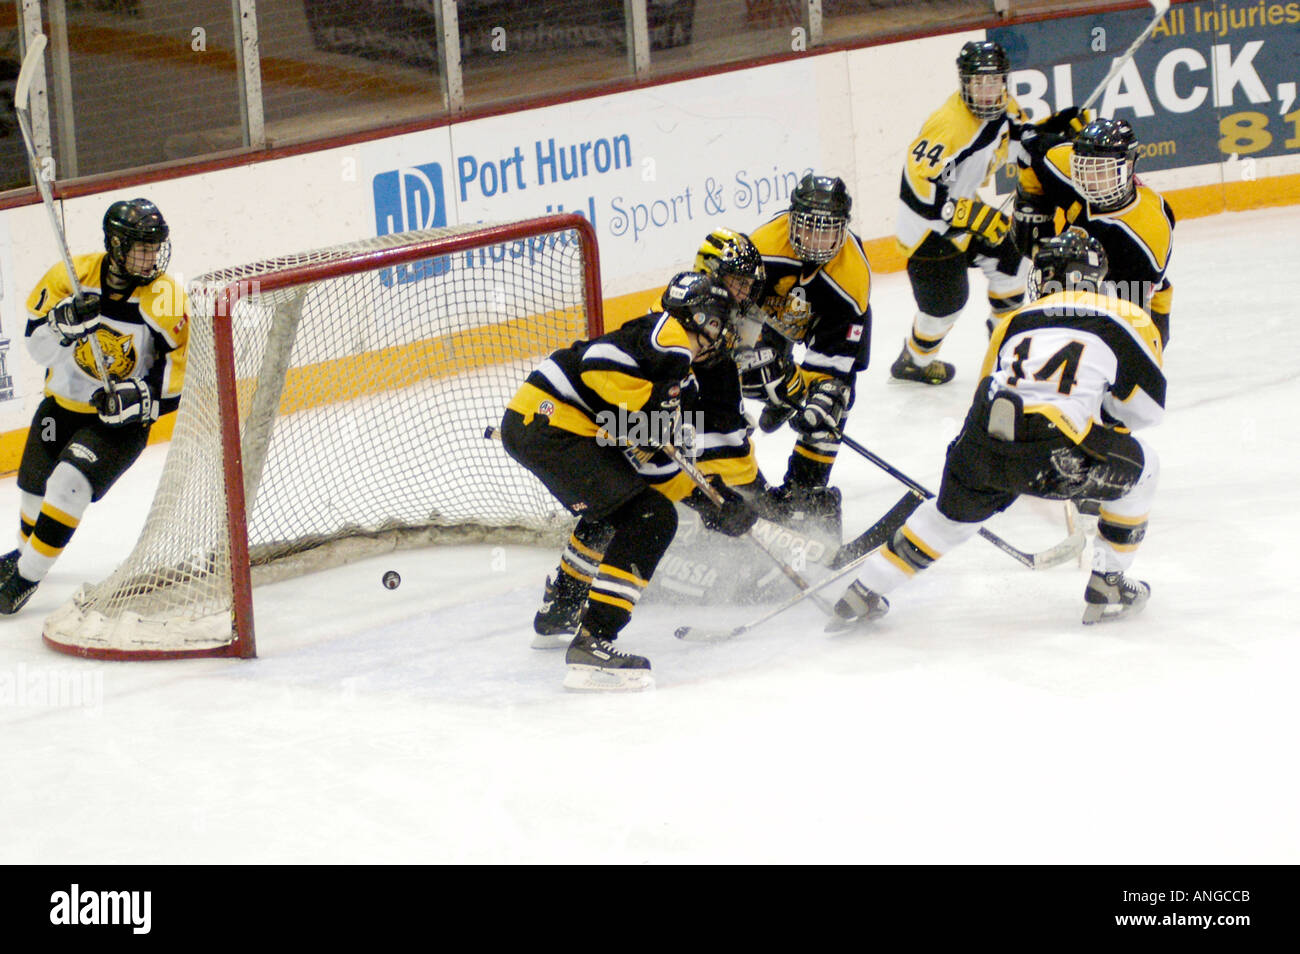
[1063, 552]
[694, 634]
[31, 63]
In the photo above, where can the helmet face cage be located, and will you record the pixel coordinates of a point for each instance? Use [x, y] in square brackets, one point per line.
[1103, 162]
[819, 217]
[982, 68]
[734, 263]
[817, 237]
[1070, 261]
[136, 239]
[985, 94]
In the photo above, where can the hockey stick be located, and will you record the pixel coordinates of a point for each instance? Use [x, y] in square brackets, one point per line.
[880, 532]
[1161, 8]
[1063, 552]
[700, 481]
[22, 109]
[699, 635]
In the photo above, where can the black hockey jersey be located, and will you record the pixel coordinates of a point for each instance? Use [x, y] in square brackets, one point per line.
[1137, 237]
[613, 383]
[825, 307]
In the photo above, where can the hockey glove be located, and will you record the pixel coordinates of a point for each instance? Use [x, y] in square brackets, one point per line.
[821, 417]
[1035, 220]
[972, 215]
[767, 374]
[72, 320]
[1065, 124]
[734, 518]
[130, 403]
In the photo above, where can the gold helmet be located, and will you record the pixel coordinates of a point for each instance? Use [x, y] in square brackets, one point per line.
[731, 259]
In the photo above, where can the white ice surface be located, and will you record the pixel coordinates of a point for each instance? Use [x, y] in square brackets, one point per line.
[978, 722]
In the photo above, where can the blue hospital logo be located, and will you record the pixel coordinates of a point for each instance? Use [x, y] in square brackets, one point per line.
[406, 200]
[410, 198]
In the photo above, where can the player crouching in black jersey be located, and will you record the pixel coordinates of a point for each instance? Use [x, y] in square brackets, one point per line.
[1066, 379]
[589, 422]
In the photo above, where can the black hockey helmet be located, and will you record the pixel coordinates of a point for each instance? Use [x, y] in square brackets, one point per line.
[734, 263]
[136, 239]
[982, 68]
[1104, 159]
[704, 308]
[1071, 261]
[819, 217]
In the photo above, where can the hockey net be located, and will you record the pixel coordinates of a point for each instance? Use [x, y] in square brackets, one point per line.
[334, 407]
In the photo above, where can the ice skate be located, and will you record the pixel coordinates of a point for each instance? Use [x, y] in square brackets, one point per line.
[595, 665]
[557, 620]
[1112, 595]
[8, 564]
[935, 372]
[857, 605]
[15, 591]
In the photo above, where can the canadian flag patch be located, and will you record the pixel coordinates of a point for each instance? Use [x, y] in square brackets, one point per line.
[855, 332]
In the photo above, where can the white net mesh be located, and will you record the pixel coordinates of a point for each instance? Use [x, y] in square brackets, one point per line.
[363, 398]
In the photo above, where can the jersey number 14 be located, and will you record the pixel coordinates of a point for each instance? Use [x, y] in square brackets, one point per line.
[1065, 362]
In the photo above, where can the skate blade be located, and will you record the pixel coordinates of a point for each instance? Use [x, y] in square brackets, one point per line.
[593, 679]
[841, 625]
[551, 640]
[1110, 612]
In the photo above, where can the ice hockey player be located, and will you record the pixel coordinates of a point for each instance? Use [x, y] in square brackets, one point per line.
[1067, 378]
[722, 443]
[1091, 179]
[588, 422]
[943, 227]
[817, 295]
[85, 435]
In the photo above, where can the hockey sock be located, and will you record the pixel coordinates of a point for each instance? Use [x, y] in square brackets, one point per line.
[582, 555]
[643, 528]
[1122, 523]
[925, 537]
[810, 463]
[67, 495]
[1002, 305]
[29, 509]
[928, 332]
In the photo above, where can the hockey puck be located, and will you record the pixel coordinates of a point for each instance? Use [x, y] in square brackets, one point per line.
[681, 632]
[392, 580]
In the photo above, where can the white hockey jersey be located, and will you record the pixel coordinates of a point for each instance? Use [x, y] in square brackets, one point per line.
[143, 336]
[1079, 358]
[954, 155]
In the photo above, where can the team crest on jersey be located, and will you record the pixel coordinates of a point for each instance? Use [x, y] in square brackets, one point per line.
[119, 354]
[546, 409]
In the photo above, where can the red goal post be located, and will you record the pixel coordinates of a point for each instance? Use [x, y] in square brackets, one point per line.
[333, 409]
